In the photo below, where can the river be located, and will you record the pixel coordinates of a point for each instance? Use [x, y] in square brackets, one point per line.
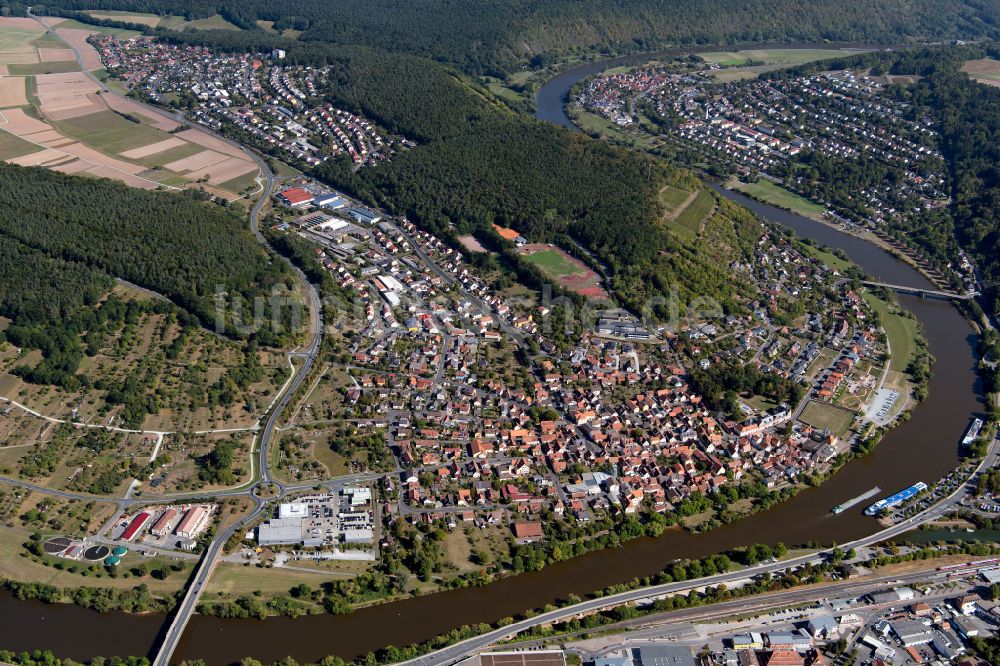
[923, 448]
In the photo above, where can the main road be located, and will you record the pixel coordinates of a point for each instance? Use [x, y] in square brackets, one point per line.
[459, 651]
[307, 356]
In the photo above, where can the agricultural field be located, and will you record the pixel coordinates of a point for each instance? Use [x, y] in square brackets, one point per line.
[73, 128]
[569, 272]
[52, 115]
[25, 48]
[985, 70]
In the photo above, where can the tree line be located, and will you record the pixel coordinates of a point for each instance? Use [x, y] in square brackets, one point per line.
[498, 36]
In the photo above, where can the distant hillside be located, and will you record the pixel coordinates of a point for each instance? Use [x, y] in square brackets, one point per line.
[491, 36]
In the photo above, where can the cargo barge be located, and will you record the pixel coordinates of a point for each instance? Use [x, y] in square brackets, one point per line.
[840, 508]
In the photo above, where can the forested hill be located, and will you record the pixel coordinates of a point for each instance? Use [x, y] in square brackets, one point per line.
[69, 235]
[479, 163]
[492, 36]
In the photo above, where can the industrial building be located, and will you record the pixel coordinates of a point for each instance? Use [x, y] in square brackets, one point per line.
[162, 526]
[666, 655]
[136, 525]
[361, 535]
[194, 521]
[293, 510]
[295, 197]
[280, 531]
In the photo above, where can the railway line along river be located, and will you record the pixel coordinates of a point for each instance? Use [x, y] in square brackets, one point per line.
[922, 449]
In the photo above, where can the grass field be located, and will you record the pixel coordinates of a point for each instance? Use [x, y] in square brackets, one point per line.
[901, 332]
[14, 38]
[151, 20]
[553, 262]
[49, 41]
[237, 579]
[240, 183]
[14, 146]
[55, 67]
[211, 23]
[823, 416]
[688, 221]
[771, 56]
[830, 259]
[109, 132]
[117, 32]
[777, 195]
[672, 199]
[985, 70]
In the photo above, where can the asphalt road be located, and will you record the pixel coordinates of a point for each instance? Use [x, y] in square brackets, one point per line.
[459, 651]
[264, 476]
[659, 624]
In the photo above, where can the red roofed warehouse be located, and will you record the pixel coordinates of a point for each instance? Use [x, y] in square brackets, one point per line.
[194, 521]
[527, 532]
[137, 524]
[162, 526]
[295, 197]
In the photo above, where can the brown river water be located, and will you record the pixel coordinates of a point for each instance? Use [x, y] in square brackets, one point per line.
[922, 449]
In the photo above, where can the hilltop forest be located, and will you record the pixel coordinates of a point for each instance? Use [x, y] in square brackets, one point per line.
[496, 36]
[63, 240]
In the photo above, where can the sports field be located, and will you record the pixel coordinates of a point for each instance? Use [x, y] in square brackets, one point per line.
[823, 416]
[570, 273]
[554, 263]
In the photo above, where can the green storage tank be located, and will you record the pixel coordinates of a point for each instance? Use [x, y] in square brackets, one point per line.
[113, 560]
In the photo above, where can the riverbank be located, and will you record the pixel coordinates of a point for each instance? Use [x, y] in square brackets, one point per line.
[795, 203]
[923, 448]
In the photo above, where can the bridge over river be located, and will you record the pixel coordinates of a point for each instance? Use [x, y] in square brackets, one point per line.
[922, 292]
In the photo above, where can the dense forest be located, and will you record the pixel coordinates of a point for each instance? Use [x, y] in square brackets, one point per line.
[63, 240]
[496, 36]
[66, 236]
